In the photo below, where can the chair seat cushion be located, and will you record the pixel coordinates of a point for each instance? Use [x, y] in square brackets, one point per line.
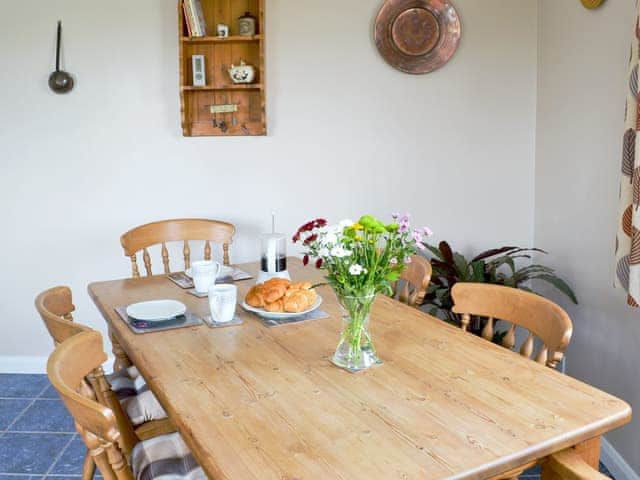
[137, 400]
[165, 457]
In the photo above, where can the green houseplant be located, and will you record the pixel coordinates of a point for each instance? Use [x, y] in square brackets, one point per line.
[497, 266]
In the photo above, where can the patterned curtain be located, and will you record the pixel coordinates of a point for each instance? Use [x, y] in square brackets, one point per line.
[628, 237]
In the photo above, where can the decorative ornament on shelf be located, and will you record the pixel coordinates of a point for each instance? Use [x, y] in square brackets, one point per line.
[242, 73]
[417, 36]
[247, 25]
[361, 259]
[592, 4]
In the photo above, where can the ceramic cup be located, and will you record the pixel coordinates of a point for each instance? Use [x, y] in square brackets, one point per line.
[204, 274]
[222, 302]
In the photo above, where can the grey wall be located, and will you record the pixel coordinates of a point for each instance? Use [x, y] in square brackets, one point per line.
[348, 135]
[583, 59]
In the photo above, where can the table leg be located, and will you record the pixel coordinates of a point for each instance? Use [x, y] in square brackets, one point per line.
[121, 360]
[574, 463]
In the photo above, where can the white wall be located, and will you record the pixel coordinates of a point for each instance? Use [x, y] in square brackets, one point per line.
[347, 134]
[583, 59]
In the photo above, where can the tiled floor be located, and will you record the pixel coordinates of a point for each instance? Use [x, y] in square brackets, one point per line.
[37, 436]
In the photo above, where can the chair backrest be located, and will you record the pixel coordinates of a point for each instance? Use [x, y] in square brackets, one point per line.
[179, 230]
[55, 306]
[70, 365]
[540, 317]
[413, 284]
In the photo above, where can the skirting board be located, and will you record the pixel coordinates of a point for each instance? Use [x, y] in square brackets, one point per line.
[614, 462]
[27, 364]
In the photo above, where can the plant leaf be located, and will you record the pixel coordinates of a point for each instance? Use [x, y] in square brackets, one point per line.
[560, 285]
[492, 252]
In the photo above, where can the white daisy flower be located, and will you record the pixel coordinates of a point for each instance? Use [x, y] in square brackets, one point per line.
[356, 269]
[323, 252]
[340, 252]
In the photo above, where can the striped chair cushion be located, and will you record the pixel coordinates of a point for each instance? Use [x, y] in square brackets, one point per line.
[165, 457]
[137, 400]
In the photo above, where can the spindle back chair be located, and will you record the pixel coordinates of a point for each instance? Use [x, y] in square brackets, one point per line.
[540, 317]
[178, 230]
[75, 371]
[56, 308]
[413, 284]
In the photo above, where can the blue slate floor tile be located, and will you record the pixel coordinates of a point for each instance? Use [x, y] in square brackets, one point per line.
[45, 416]
[10, 408]
[62, 477]
[50, 393]
[30, 452]
[70, 463]
[16, 385]
[10, 476]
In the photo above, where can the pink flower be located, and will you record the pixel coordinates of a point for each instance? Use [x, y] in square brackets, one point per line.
[395, 215]
[420, 246]
[404, 227]
[417, 236]
[407, 260]
[427, 231]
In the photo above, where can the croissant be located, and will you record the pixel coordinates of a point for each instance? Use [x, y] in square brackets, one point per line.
[275, 307]
[255, 296]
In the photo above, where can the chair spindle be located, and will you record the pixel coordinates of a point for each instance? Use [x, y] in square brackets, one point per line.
[134, 266]
[225, 253]
[509, 340]
[165, 258]
[526, 349]
[147, 261]
[207, 250]
[543, 355]
[186, 251]
[487, 331]
[465, 319]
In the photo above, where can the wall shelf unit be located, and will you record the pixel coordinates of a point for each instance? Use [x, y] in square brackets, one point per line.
[220, 53]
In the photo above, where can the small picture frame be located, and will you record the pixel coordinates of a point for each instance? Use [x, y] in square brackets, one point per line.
[199, 71]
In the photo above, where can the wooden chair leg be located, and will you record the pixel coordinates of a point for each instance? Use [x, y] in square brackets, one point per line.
[88, 467]
[569, 465]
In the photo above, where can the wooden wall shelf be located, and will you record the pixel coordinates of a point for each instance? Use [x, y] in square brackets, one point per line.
[220, 54]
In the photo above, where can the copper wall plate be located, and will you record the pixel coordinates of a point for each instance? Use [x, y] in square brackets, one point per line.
[417, 36]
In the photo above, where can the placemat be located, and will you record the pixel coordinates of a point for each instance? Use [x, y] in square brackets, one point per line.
[213, 324]
[190, 320]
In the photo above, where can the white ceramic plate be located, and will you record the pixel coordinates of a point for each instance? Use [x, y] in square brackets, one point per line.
[156, 310]
[280, 316]
[225, 271]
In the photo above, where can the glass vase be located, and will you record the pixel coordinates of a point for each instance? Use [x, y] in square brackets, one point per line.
[355, 351]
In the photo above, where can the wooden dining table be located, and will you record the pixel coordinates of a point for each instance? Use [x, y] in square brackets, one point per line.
[257, 402]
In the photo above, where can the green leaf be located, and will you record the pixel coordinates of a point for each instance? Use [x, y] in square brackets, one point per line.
[493, 252]
[560, 285]
[478, 268]
[461, 265]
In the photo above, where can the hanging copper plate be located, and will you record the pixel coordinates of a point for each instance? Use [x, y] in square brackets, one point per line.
[417, 36]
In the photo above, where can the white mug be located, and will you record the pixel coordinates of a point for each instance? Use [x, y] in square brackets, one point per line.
[222, 302]
[204, 274]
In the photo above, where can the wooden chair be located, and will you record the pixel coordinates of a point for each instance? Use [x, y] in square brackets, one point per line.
[539, 316]
[413, 284]
[56, 308]
[542, 319]
[180, 230]
[75, 371]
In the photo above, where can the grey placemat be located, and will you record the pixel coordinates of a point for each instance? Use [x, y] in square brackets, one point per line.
[190, 321]
[213, 324]
[315, 315]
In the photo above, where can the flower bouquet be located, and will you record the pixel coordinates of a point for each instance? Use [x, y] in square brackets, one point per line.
[362, 259]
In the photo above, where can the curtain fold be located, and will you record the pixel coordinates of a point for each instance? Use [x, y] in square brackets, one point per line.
[628, 236]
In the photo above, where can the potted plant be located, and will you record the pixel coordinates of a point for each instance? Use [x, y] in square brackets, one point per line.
[496, 266]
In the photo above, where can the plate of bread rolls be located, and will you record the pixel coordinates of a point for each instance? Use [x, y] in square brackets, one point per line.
[279, 298]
